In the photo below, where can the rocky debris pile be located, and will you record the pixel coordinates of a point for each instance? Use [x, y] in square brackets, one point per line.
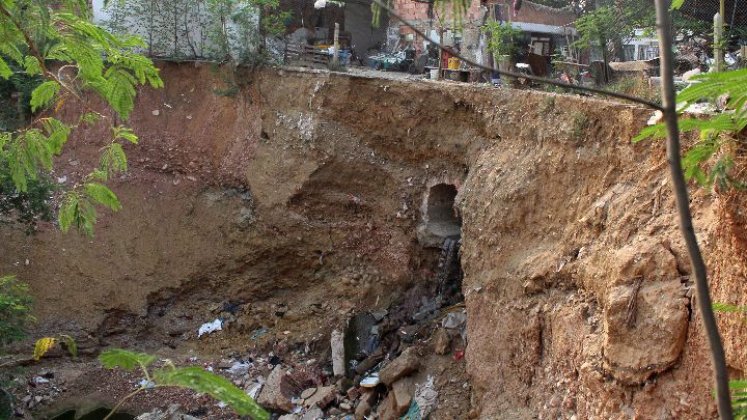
[174, 412]
[41, 388]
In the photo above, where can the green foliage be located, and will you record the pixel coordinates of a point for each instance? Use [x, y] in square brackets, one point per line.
[78, 208]
[126, 360]
[503, 38]
[45, 344]
[28, 207]
[717, 133]
[87, 58]
[15, 309]
[635, 86]
[598, 27]
[15, 97]
[193, 378]
[738, 387]
[728, 308]
[580, 122]
[216, 386]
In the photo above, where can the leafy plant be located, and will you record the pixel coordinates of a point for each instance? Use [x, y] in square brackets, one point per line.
[718, 134]
[580, 122]
[191, 377]
[15, 309]
[738, 387]
[503, 38]
[45, 344]
[87, 58]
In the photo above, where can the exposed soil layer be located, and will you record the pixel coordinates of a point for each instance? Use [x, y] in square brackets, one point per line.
[298, 202]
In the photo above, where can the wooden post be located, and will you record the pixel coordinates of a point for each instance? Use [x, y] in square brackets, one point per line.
[336, 55]
[718, 41]
[440, 52]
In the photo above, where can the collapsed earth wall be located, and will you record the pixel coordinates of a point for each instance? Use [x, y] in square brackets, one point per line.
[307, 189]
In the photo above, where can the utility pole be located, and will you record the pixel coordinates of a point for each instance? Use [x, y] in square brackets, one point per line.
[718, 40]
[336, 55]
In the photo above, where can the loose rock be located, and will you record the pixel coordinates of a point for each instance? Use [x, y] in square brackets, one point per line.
[407, 363]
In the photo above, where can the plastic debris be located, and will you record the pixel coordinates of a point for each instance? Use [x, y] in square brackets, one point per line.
[144, 383]
[259, 332]
[424, 401]
[370, 381]
[239, 368]
[254, 390]
[210, 327]
[38, 380]
[454, 320]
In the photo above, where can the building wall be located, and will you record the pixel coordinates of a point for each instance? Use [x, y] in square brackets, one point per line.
[183, 28]
[530, 17]
[358, 22]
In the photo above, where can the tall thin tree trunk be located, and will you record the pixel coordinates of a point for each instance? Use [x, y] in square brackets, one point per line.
[683, 209]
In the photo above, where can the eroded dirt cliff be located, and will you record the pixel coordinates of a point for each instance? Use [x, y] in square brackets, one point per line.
[299, 198]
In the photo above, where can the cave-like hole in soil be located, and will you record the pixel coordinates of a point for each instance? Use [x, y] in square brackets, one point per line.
[441, 214]
[444, 227]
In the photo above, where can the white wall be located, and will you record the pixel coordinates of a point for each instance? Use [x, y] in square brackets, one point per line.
[182, 28]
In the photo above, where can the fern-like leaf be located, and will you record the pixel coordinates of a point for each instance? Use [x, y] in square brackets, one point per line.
[101, 194]
[113, 159]
[126, 134]
[5, 71]
[127, 360]
[70, 344]
[43, 94]
[218, 387]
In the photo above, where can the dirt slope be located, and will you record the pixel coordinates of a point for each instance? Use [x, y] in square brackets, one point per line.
[304, 191]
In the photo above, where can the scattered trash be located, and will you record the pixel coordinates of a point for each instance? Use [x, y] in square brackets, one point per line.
[255, 389]
[38, 380]
[459, 355]
[370, 381]
[144, 383]
[454, 320]
[424, 402]
[239, 368]
[258, 333]
[210, 327]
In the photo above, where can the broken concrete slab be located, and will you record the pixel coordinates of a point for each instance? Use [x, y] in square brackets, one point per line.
[322, 397]
[403, 391]
[272, 396]
[407, 363]
[315, 413]
[307, 393]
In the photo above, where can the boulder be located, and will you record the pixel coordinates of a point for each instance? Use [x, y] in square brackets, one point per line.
[407, 363]
[322, 397]
[650, 340]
